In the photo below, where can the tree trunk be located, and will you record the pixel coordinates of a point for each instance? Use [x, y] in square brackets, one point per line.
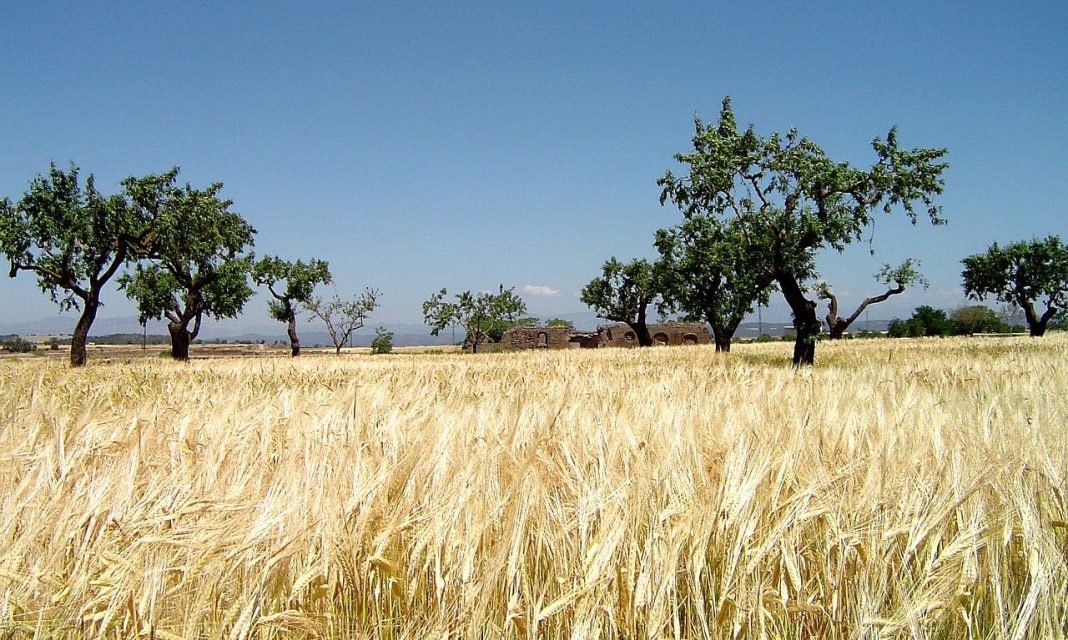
[80, 337]
[641, 329]
[838, 328]
[722, 340]
[294, 341]
[1036, 325]
[179, 341]
[806, 324]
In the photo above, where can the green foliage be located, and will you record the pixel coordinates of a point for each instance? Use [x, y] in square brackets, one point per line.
[925, 321]
[74, 239]
[343, 317]
[558, 322]
[706, 273]
[382, 342]
[16, 344]
[1022, 274]
[791, 200]
[623, 292]
[196, 260]
[289, 283]
[972, 319]
[478, 314]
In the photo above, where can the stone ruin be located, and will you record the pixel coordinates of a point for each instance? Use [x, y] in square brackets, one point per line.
[612, 335]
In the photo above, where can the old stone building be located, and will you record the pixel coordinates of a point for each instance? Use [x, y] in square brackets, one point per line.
[536, 338]
[613, 335]
[664, 333]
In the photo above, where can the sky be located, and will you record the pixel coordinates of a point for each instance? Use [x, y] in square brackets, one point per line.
[464, 145]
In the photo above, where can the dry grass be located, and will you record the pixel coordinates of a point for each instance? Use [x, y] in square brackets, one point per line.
[899, 489]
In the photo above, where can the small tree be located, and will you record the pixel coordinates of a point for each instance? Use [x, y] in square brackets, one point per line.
[1022, 273]
[383, 341]
[290, 284]
[477, 314]
[74, 239]
[895, 278]
[973, 319]
[925, 321]
[623, 293]
[344, 317]
[560, 322]
[197, 263]
[705, 273]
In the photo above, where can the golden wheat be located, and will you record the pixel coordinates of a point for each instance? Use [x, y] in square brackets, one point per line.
[898, 489]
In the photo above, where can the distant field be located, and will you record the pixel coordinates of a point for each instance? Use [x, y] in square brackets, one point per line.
[897, 489]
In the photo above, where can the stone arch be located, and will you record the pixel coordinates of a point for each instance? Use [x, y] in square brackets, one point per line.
[660, 338]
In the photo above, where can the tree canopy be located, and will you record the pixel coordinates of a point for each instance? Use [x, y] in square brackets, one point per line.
[792, 200]
[476, 313]
[623, 293]
[74, 239]
[196, 257]
[290, 284]
[1022, 274]
[705, 273]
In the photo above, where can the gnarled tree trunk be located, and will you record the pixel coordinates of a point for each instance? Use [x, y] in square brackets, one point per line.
[80, 337]
[294, 341]
[806, 324]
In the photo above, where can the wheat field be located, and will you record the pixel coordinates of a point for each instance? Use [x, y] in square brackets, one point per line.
[899, 489]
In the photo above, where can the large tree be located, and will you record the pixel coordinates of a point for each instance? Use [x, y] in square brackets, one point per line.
[74, 239]
[290, 284]
[623, 293]
[705, 272]
[1022, 273]
[343, 317]
[476, 313]
[198, 263]
[792, 200]
[896, 280]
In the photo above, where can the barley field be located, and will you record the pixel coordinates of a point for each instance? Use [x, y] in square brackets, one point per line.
[899, 489]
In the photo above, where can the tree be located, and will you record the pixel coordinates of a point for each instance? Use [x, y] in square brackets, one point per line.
[895, 278]
[197, 263]
[383, 341]
[1022, 273]
[706, 273]
[972, 319]
[925, 321]
[475, 313]
[623, 293]
[560, 322]
[290, 284]
[74, 239]
[344, 317]
[791, 200]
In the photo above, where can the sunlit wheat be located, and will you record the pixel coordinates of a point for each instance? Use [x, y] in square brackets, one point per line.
[897, 489]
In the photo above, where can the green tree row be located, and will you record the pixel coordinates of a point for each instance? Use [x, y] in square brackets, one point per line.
[178, 252]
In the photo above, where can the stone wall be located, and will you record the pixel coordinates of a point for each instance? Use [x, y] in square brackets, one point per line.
[611, 335]
[664, 333]
[518, 338]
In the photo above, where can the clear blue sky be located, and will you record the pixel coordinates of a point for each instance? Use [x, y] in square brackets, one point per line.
[424, 145]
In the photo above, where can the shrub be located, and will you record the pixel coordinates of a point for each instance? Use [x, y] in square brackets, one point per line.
[382, 342]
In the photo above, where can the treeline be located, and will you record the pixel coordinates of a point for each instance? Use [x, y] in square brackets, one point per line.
[179, 252]
[756, 212]
[962, 321]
